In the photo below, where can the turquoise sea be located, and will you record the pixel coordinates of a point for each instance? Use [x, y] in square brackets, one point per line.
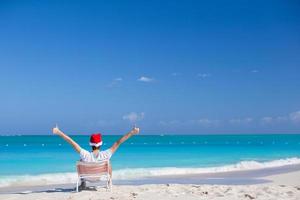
[47, 157]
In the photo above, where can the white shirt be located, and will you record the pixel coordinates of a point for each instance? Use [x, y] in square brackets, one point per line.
[87, 156]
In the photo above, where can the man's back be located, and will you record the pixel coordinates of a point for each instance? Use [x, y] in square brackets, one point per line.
[87, 156]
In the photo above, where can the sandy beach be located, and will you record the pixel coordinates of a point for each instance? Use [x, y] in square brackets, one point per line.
[285, 185]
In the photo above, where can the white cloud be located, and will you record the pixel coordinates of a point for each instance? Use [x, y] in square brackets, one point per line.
[255, 71]
[145, 79]
[267, 120]
[101, 122]
[175, 74]
[243, 121]
[203, 75]
[134, 117]
[195, 122]
[273, 120]
[207, 122]
[170, 123]
[281, 119]
[295, 117]
[118, 79]
[115, 82]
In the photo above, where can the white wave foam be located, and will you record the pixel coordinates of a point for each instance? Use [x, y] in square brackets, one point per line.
[41, 179]
[165, 171]
[136, 173]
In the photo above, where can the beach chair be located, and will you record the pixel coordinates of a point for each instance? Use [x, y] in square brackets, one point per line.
[94, 172]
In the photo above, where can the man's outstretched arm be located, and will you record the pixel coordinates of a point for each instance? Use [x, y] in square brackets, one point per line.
[116, 145]
[76, 146]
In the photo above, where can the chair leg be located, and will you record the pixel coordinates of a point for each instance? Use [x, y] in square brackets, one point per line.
[110, 178]
[77, 185]
[110, 183]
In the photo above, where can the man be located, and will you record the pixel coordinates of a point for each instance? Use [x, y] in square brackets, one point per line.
[95, 142]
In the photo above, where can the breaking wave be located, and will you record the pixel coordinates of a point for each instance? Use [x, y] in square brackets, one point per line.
[138, 173]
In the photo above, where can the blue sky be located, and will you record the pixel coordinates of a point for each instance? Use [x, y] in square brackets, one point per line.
[170, 66]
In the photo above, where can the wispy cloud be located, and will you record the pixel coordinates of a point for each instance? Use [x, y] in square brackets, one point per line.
[254, 71]
[170, 123]
[292, 117]
[118, 79]
[203, 75]
[115, 82]
[133, 117]
[145, 79]
[295, 117]
[241, 121]
[204, 122]
[274, 120]
[207, 122]
[175, 74]
[281, 119]
[267, 120]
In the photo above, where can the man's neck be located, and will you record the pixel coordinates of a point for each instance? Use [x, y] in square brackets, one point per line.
[96, 151]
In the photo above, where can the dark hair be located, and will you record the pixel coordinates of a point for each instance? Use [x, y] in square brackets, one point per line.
[95, 148]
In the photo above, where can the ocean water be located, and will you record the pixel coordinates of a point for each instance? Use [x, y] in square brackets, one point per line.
[49, 159]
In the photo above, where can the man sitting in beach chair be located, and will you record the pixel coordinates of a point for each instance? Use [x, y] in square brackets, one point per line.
[95, 155]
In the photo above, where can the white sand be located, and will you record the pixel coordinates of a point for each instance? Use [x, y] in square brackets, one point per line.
[283, 186]
[291, 179]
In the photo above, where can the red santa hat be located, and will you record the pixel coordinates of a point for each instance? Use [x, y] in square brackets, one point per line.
[96, 139]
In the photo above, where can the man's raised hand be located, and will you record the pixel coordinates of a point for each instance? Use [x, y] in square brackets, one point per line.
[55, 130]
[135, 130]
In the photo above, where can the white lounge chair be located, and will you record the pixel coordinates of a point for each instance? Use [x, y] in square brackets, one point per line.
[94, 172]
